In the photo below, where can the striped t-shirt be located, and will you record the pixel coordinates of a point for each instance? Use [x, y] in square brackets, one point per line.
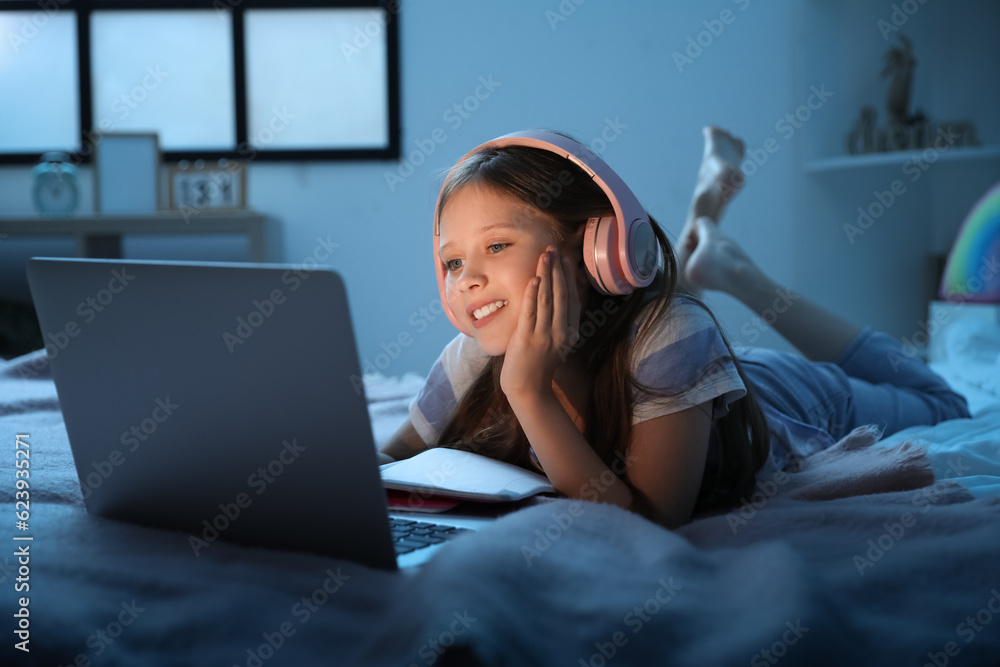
[685, 360]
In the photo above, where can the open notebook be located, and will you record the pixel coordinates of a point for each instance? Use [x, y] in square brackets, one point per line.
[454, 473]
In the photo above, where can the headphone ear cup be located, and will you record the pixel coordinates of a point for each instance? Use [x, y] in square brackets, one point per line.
[589, 241]
[600, 255]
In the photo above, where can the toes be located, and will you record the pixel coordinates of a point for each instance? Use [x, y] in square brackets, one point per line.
[722, 144]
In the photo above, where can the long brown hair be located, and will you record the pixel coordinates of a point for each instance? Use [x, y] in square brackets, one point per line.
[484, 422]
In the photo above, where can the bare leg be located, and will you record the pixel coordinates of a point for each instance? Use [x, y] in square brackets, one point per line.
[719, 263]
[708, 259]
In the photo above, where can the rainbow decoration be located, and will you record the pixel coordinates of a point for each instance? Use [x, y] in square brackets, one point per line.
[971, 272]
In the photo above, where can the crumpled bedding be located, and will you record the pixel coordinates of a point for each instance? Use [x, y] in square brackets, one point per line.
[900, 577]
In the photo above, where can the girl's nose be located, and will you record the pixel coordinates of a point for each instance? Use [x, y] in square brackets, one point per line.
[470, 276]
[468, 280]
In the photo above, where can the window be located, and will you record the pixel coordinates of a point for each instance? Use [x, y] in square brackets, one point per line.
[226, 78]
[169, 71]
[38, 83]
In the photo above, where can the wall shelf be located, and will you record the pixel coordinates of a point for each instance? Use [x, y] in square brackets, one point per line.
[897, 158]
[100, 235]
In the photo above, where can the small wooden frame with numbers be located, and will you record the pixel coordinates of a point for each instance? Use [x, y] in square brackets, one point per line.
[215, 187]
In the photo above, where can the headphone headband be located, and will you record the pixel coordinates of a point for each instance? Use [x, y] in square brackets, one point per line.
[620, 252]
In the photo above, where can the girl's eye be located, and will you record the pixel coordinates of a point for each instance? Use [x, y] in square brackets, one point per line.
[455, 264]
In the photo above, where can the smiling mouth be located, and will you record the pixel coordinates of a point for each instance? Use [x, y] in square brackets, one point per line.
[480, 313]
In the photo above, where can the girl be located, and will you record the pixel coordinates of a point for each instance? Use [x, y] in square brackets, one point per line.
[648, 407]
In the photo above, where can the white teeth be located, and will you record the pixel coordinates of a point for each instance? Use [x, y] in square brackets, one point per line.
[480, 313]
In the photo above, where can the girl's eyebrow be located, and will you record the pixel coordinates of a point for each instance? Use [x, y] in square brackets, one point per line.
[499, 225]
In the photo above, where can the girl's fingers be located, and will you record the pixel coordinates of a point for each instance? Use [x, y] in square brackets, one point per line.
[560, 309]
[529, 310]
[543, 321]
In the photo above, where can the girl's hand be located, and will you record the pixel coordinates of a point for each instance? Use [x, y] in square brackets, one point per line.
[547, 329]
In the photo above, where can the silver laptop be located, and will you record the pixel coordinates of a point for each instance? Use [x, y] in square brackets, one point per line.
[220, 400]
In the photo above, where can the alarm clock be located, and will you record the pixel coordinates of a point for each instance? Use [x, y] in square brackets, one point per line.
[55, 191]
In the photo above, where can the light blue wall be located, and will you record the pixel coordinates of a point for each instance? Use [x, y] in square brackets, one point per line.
[607, 60]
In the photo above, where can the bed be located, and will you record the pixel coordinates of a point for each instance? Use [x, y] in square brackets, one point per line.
[897, 578]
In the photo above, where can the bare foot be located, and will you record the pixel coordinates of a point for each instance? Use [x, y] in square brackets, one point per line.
[719, 177]
[715, 261]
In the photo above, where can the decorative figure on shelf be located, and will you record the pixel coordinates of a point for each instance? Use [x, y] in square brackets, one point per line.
[863, 132]
[903, 130]
[899, 63]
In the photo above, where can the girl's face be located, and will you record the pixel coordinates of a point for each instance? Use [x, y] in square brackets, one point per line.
[490, 245]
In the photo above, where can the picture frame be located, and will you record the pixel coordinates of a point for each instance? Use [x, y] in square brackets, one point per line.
[217, 185]
[127, 172]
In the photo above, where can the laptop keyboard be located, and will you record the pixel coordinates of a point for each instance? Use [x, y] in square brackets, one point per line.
[409, 535]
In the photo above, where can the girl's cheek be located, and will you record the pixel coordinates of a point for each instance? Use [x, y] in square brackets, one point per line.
[451, 294]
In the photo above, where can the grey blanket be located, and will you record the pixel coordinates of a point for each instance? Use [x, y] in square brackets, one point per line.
[898, 578]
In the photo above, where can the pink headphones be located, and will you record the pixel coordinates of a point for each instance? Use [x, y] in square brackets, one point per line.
[620, 252]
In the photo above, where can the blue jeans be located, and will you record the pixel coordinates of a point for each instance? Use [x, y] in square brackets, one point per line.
[872, 382]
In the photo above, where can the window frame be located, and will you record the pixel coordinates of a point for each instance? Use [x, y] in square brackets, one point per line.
[243, 150]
